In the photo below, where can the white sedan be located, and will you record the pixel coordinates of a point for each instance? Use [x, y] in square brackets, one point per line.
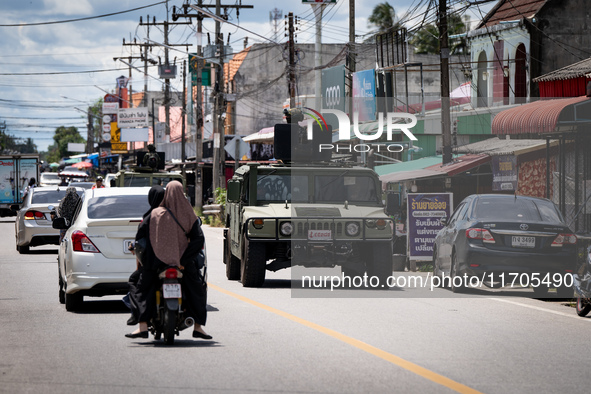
[94, 259]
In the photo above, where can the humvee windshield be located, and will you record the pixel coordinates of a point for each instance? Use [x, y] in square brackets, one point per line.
[331, 188]
[131, 180]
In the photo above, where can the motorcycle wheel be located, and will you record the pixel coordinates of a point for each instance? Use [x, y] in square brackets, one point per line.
[169, 326]
[583, 306]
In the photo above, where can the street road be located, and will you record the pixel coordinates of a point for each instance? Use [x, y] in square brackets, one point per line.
[265, 340]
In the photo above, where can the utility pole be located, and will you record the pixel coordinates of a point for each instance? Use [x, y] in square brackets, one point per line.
[217, 137]
[318, 10]
[165, 24]
[351, 59]
[292, 76]
[199, 116]
[445, 105]
[183, 112]
[90, 135]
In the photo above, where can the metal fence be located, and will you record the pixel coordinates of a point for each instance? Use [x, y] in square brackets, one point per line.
[570, 182]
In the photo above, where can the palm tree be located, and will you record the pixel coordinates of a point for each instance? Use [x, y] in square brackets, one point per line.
[383, 17]
[426, 40]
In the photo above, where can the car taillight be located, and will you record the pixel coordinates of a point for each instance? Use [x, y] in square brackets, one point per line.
[171, 273]
[480, 233]
[81, 243]
[564, 239]
[34, 215]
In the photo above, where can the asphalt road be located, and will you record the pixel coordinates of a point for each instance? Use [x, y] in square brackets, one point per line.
[404, 340]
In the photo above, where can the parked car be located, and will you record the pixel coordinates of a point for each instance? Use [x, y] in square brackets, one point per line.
[32, 226]
[49, 179]
[94, 259]
[509, 237]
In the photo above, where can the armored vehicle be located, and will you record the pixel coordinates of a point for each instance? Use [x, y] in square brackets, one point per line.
[141, 176]
[278, 216]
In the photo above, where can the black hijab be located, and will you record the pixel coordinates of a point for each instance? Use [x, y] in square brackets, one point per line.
[155, 197]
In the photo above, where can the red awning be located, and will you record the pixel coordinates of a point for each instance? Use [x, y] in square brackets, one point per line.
[534, 118]
[461, 164]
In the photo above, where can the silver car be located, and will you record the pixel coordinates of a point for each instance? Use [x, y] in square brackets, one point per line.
[32, 226]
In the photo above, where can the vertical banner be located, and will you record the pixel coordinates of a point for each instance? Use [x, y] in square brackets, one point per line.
[423, 213]
[504, 169]
[364, 95]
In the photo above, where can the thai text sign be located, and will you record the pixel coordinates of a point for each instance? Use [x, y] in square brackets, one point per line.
[132, 117]
[504, 169]
[424, 213]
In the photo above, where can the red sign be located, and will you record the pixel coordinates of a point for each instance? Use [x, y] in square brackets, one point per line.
[111, 98]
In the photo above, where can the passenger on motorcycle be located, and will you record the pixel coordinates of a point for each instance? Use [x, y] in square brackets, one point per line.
[173, 237]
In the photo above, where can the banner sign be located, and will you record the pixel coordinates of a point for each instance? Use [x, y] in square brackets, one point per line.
[423, 213]
[364, 95]
[110, 108]
[135, 135]
[116, 145]
[132, 117]
[504, 170]
[333, 88]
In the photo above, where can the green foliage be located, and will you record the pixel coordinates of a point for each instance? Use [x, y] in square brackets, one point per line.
[220, 196]
[383, 17]
[11, 144]
[425, 268]
[63, 136]
[426, 39]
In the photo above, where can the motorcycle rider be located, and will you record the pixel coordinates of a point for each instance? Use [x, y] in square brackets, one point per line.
[173, 238]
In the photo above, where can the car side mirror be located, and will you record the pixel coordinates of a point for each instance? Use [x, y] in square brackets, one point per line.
[60, 224]
[443, 221]
[233, 192]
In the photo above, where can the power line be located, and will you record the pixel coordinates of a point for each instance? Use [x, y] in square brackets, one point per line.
[81, 19]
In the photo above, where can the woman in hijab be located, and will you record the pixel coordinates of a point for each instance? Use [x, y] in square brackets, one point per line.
[155, 197]
[67, 207]
[174, 238]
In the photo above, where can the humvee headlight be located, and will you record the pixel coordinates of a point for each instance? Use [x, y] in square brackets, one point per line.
[381, 224]
[352, 229]
[371, 223]
[286, 229]
[258, 223]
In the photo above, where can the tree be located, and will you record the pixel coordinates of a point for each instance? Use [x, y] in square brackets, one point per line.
[383, 17]
[426, 39]
[63, 136]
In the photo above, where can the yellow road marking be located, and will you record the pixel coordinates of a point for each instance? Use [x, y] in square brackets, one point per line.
[409, 366]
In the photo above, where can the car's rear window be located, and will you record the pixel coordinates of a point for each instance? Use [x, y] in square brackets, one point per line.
[115, 207]
[49, 176]
[517, 209]
[48, 196]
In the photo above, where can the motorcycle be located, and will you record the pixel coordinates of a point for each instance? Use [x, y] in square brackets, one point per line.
[169, 319]
[582, 286]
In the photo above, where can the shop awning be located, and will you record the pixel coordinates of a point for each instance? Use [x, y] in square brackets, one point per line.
[409, 175]
[425, 168]
[538, 117]
[460, 164]
[263, 135]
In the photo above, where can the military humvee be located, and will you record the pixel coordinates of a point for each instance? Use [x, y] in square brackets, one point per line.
[146, 177]
[313, 216]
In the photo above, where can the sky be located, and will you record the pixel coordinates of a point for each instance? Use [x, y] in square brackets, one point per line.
[50, 73]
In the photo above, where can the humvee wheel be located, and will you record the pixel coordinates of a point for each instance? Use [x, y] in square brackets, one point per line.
[231, 261]
[380, 264]
[252, 266]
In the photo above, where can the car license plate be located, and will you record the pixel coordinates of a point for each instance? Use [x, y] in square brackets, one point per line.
[319, 235]
[523, 242]
[126, 244]
[171, 290]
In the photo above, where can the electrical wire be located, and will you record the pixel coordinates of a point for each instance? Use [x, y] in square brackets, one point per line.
[81, 19]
